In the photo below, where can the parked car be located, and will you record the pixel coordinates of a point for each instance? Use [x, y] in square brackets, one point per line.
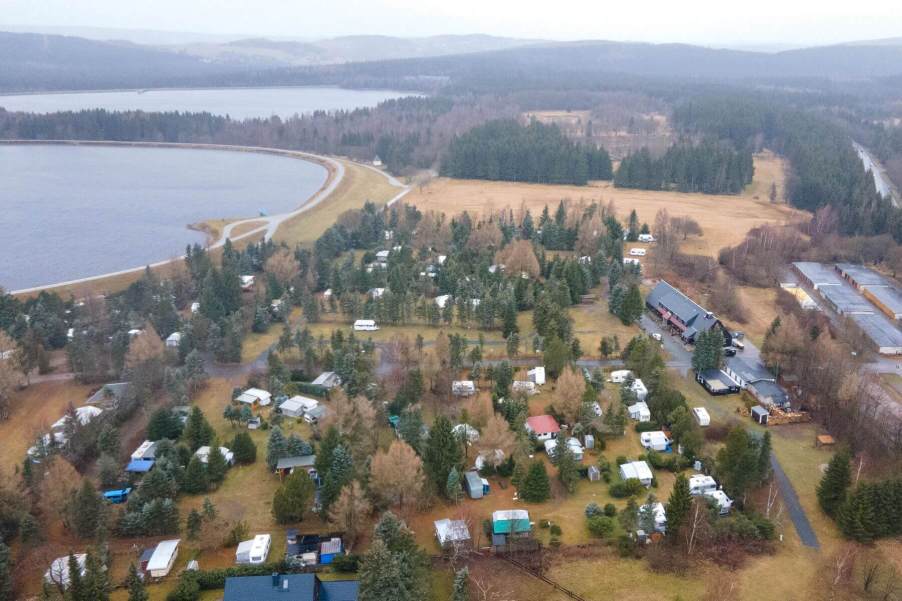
[656, 336]
[729, 351]
[739, 346]
[738, 335]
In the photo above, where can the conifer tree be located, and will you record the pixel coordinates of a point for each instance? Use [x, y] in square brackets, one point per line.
[380, 576]
[194, 480]
[678, 506]
[631, 308]
[198, 431]
[135, 585]
[834, 485]
[536, 487]
[292, 499]
[275, 447]
[442, 452]
[76, 588]
[453, 489]
[331, 440]
[193, 524]
[340, 473]
[567, 466]
[244, 449]
[86, 510]
[216, 463]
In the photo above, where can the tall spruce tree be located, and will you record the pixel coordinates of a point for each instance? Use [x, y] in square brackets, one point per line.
[535, 488]
[198, 431]
[340, 473]
[631, 308]
[442, 452]
[194, 480]
[6, 578]
[216, 463]
[135, 585]
[834, 486]
[678, 506]
[86, 510]
[380, 576]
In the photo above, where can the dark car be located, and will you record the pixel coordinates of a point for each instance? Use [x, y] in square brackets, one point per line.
[729, 351]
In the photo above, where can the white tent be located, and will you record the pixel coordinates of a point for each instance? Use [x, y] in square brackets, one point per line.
[163, 558]
[655, 441]
[619, 376]
[174, 340]
[58, 573]
[637, 470]
[639, 412]
[297, 406]
[700, 484]
[203, 453]
[253, 396]
[537, 375]
[660, 514]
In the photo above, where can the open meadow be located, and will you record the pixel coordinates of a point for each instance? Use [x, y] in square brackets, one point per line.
[725, 219]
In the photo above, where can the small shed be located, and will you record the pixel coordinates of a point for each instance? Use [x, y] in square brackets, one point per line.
[594, 473]
[163, 558]
[451, 533]
[463, 388]
[536, 375]
[328, 380]
[255, 396]
[329, 550]
[701, 416]
[473, 484]
[760, 414]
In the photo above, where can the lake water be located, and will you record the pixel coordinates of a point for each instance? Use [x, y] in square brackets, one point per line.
[68, 212]
[238, 103]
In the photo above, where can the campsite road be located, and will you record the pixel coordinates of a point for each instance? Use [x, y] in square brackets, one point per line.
[796, 511]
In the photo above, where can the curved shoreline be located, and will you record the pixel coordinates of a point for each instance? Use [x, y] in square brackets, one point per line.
[335, 174]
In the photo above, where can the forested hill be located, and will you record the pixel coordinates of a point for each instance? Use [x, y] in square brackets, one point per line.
[47, 62]
[537, 153]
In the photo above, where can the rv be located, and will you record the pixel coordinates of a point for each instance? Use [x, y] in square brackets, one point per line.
[365, 325]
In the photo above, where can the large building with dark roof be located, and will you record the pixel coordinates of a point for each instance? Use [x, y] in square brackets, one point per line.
[682, 314]
[289, 587]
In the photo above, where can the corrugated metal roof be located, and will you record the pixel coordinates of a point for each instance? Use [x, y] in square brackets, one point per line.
[664, 296]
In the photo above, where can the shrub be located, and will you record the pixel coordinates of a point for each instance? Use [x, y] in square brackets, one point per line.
[626, 488]
[610, 510]
[647, 427]
[555, 530]
[186, 590]
[621, 460]
[346, 563]
[592, 510]
[606, 476]
[626, 546]
[600, 525]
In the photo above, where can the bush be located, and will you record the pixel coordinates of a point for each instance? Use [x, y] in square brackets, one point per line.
[621, 460]
[626, 488]
[606, 476]
[610, 510]
[626, 546]
[208, 580]
[603, 464]
[671, 461]
[187, 589]
[647, 427]
[592, 510]
[555, 530]
[346, 563]
[600, 525]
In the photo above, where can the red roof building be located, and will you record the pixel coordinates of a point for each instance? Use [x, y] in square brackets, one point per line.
[543, 426]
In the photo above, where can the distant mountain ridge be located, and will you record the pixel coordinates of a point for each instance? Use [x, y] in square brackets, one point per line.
[345, 49]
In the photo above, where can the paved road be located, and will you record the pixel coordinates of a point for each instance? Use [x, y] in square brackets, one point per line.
[796, 511]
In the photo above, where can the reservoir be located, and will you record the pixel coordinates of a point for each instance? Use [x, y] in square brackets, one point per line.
[69, 212]
[237, 103]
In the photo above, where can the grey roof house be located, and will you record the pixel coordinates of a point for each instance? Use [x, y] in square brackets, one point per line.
[681, 313]
[289, 587]
[758, 381]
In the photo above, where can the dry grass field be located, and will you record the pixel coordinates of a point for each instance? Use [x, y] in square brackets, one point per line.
[359, 185]
[724, 219]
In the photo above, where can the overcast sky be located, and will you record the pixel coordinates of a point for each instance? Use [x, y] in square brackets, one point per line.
[716, 22]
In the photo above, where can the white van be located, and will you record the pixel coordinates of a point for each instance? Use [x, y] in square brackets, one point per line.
[646, 238]
[365, 325]
[637, 252]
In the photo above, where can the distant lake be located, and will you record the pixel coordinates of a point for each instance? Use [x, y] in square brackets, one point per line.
[238, 103]
[68, 212]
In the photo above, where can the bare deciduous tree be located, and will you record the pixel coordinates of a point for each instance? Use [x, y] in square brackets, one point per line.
[568, 394]
[396, 475]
